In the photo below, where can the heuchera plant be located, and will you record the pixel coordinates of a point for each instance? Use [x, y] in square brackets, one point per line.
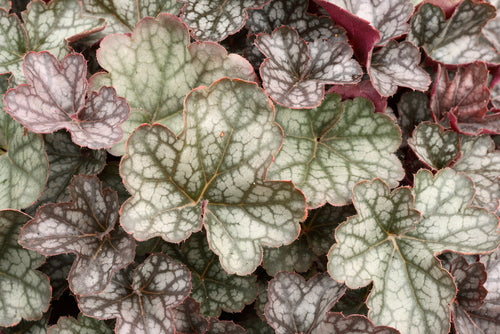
[253, 166]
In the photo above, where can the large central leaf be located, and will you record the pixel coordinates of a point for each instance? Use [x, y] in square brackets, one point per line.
[387, 244]
[213, 173]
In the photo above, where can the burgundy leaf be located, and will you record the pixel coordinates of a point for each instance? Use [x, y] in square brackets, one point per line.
[55, 98]
[364, 89]
[87, 227]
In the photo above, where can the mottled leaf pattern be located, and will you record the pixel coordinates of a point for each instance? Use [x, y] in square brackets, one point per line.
[336, 323]
[492, 28]
[224, 327]
[214, 20]
[295, 73]
[29, 327]
[45, 107]
[297, 306]
[389, 17]
[82, 325]
[413, 108]
[159, 85]
[24, 292]
[392, 244]
[434, 146]
[57, 268]
[188, 319]
[142, 299]
[456, 40]
[294, 257]
[330, 148]
[45, 27]
[87, 227]
[397, 64]
[212, 174]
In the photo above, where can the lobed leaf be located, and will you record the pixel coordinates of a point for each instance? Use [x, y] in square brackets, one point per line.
[456, 40]
[44, 27]
[330, 148]
[25, 292]
[173, 69]
[297, 306]
[213, 174]
[61, 103]
[142, 299]
[389, 17]
[491, 29]
[87, 228]
[392, 244]
[82, 325]
[188, 319]
[214, 20]
[397, 64]
[363, 89]
[295, 73]
[29, 327]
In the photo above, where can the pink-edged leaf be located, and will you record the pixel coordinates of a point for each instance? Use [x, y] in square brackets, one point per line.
[214, 20]
[187, 318]
[413, 108]
[87, 227]
[492, 29]
[457, 40]
[25, 293]
[363, 89]
[293, 13]
[224, 327]
[297, 306]
[295, 73]
[142, 299]
[389, 17]
[29, 327]
[82, 325]
[46, 106]
[212, 175]
[397, 64]
[336, 323]
[463, 99]
[359, 31]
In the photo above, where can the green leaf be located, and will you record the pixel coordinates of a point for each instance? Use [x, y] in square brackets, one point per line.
[214, 20]
[294, 257]
[456, 40]
[142, 299]
[213, 174]
[46, 27]
[173, 68]
[389, 244]
[213, 288]
[57, 268]
[110, 178]
[329, 149]
[82, 325]
[336, 323]
[23, 164]
[29, 327]
[224, 327]
[434, 146]
[413, 108]
[188, 319]
[25, 292]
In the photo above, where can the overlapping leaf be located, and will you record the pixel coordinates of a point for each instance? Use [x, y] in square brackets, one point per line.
[336, 323]
[224, 327]
[463, 101]
[389, 244]
[295, 73]
[492, 28]
[413, 108]
[142, 299]
[363, 89]
[297, 306]
[188, 319]
[45, 107]
[213, 288]
[82, 325]
[214, 20]
[165, 68]
[389, 17]
[330, 148]
[45, 27]
[57, 268]
[212, 174]
[456, 40]
[29, 327]
[397, 64]
[25, 293]
[87, 227]
[23, 164]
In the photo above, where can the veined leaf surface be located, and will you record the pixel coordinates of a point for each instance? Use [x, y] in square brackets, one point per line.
[82, 325]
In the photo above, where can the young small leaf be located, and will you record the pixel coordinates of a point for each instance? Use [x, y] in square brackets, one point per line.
[214, 20]
[456, 40]
[25, 293]
[295, 73]
[397, 64]
[45, 107]
[388, 244]
[297, 306]
[213, 174]
[82, 325]
[87, 227]
[329, 149]
[142, 299]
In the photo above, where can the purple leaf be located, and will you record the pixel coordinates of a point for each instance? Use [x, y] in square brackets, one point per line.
[87, 227]
[363, 89]
[142, 299]
[295, 73]
[55, 98]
